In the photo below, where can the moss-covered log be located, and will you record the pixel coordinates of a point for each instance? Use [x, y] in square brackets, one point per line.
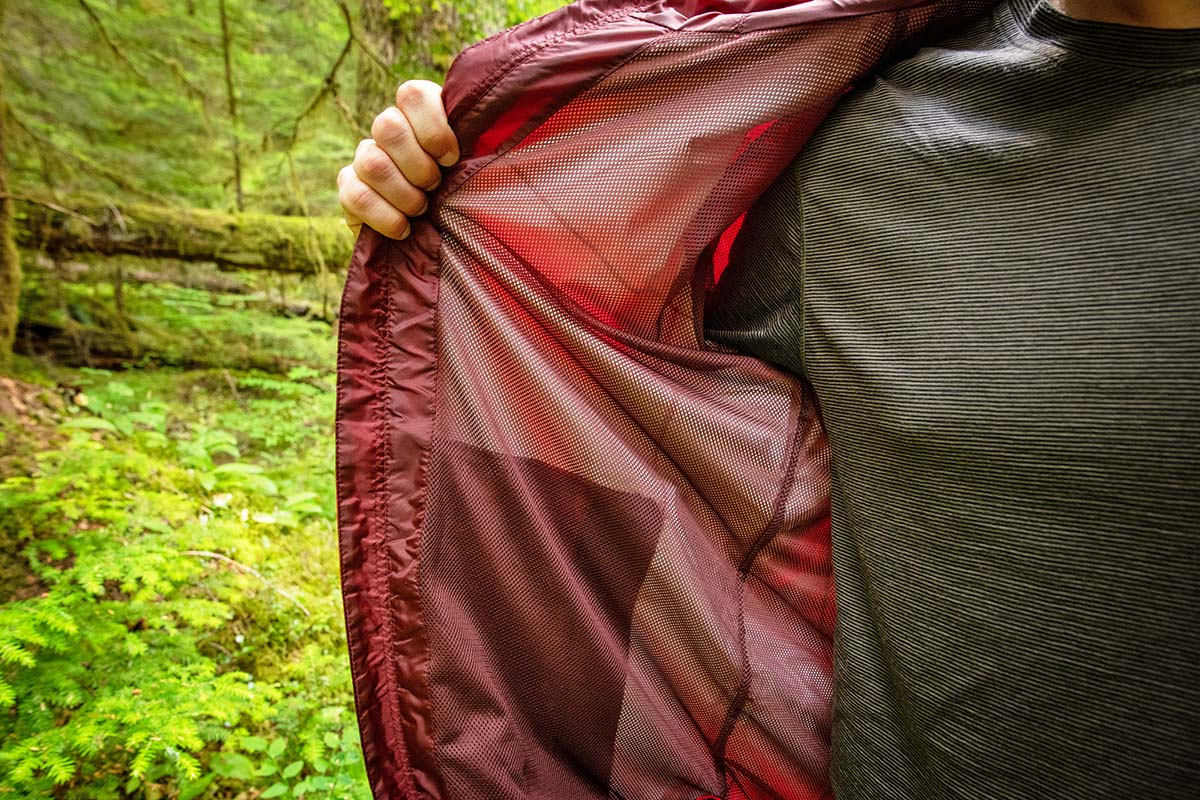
[85, 224]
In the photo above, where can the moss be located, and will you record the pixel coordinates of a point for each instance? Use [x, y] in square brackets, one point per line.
[308, 245]
[78, 324]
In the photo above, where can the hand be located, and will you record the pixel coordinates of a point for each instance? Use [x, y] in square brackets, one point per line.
[386, 184]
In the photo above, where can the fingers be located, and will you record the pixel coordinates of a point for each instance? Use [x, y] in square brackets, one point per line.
[397, 140]
[421, 104]
[386, 183]
[378, 170]
[364, 205]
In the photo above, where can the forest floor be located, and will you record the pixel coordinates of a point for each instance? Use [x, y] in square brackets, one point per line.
[170, 614]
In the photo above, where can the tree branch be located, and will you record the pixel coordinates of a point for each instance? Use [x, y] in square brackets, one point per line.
[108, 40]
[115, 177]
[248, 569]
[47, 204]
[172, 64]
[328, 86]
[360, 41]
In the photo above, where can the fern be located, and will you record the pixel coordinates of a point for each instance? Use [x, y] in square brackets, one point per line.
[136, 662]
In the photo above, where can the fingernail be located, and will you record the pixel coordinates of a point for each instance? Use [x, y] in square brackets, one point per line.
[448, 160]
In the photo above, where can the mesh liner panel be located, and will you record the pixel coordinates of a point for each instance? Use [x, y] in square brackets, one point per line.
[527, 599]
[584, 553]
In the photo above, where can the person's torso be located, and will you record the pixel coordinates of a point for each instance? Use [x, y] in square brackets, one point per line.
[995, 294]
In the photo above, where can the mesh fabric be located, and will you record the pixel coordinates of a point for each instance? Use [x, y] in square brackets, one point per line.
[585, 554]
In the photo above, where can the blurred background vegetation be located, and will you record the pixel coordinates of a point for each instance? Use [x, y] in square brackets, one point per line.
[170, 261]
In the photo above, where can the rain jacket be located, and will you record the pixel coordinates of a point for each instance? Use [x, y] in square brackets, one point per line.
[584, 552]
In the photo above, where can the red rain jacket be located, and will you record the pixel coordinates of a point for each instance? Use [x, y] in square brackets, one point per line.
[584, 553]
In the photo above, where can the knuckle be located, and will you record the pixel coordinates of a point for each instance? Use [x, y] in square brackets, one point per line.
[389, 125]
[412, 94]
[359, 197]
[375, 165]
[423, 173]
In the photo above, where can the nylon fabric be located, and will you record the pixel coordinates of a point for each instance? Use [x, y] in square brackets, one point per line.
[584, 553]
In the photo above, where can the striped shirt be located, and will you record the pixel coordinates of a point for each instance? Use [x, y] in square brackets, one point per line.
[987, 265]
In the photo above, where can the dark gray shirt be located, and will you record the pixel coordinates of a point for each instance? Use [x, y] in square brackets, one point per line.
[987, 264]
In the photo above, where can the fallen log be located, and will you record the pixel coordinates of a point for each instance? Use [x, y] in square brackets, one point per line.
[87, 224]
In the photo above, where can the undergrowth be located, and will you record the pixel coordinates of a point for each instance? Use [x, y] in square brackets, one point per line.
[177, 631]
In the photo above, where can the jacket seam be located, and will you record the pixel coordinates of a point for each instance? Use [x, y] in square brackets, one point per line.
[802, 308]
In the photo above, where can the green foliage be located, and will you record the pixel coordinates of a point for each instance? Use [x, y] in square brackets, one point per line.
[174, 326]
[521, 10]
[139, 91]
[133, 98]
[170, 618]
[185, 605]
[332, 768]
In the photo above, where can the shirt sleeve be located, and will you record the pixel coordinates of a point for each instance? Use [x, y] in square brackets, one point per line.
[757, 305]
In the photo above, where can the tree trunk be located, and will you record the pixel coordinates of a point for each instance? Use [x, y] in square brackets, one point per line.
[238, 241]
[10, 264]
[232, 101]
[418, 44]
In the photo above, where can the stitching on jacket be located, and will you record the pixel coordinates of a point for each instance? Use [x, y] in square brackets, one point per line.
[338, 470]
[421, 516]
[473, 99]
[460, 180]
[379, 486]
[769, 531]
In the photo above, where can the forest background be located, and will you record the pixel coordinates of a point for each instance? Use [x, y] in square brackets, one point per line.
[170, 262]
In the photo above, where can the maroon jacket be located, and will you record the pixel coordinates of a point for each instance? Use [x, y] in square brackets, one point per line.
[585, 554]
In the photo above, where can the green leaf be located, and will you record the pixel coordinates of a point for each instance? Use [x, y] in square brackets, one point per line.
[274, 790]
[90, 423]
[238, 468]
[301, 498]
[194, 788]
[331, 740]
[188, 765]
[277, 747]
[255, 744]
[60, 767]
[265, 768]
[262, 484]
[228, 448]
[232, 765]
[13, 653]
[292, 769]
